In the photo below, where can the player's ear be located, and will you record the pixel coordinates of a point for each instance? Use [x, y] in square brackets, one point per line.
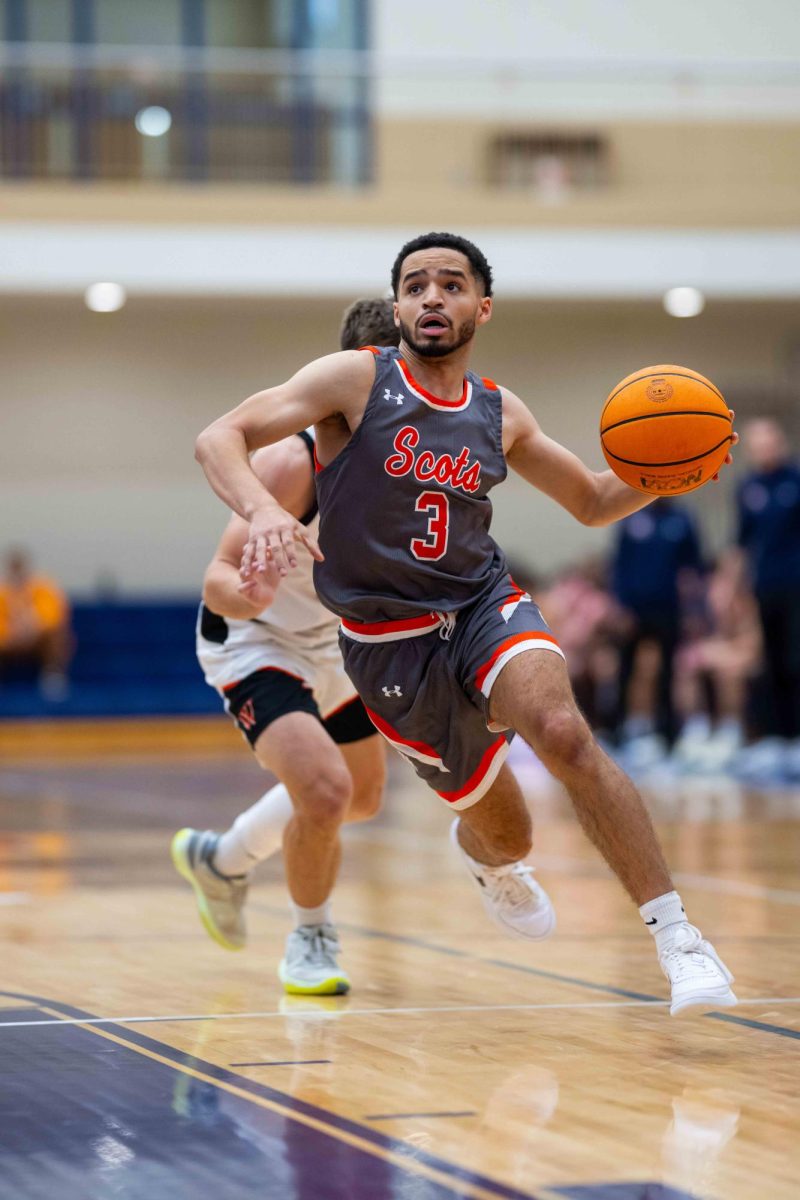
[484, 310]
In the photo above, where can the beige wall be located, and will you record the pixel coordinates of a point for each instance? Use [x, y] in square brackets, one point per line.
[433, 173]
[99, 413]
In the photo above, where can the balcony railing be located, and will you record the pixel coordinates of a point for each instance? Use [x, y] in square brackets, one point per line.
[122, 113]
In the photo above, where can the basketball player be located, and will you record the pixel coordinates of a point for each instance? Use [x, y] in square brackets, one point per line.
[448, 655]
[270, 649]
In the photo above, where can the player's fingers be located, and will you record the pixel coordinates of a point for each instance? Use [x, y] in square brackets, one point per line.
[247, 560]
[732, 411]
[277, 555]
[262, 553]
[312, 545]
[289, 548]
[735, 439]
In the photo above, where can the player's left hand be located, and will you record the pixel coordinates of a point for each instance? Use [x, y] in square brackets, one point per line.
[728, 457]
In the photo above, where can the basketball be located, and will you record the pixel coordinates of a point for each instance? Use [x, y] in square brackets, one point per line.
[665, 430]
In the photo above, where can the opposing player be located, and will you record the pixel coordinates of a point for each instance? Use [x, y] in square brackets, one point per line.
[271, 650]
[448, 655]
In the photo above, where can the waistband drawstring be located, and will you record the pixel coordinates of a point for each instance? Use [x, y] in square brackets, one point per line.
[448, 624]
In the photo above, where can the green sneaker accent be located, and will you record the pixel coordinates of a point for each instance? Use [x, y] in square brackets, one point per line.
[309, 967]
[220, 900]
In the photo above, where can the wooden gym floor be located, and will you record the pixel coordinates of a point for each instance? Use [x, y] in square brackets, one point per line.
[138, 1060]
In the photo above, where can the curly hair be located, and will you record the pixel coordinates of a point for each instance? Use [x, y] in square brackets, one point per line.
[447, 241]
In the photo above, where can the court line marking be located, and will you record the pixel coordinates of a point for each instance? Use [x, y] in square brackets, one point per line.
[467, 1112]
[780, 1030]
[288, 1062]
[336, 1014]
[383, 1146]
[563, 865]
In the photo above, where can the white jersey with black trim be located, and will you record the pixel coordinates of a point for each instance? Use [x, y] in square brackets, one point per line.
[229, 649]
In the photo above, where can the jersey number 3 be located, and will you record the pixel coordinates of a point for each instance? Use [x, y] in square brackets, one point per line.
[434, 545]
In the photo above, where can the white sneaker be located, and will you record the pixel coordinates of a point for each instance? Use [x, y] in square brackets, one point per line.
[220, 898]
[511, 896]
[309, 966]
[697, 975]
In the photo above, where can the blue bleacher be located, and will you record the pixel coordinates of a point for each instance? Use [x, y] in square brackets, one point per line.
[131, 659]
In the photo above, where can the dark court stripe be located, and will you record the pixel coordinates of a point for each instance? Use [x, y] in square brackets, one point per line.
[780, 1030]
[583, 983]
[289, 1062]
[401, 1150]
[419, 1116]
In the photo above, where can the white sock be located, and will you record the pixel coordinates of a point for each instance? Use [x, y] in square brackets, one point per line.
[321, 915]
[255, 834]
[661, 913]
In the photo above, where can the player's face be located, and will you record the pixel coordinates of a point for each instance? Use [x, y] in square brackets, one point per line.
[439, 302]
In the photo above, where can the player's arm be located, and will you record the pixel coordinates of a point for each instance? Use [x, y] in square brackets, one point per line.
[338, 383]
[593, 497]
[285, 471]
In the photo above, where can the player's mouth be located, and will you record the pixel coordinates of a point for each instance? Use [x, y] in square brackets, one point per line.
[433, 326]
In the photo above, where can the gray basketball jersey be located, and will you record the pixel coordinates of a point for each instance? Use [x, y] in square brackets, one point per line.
[404, 508]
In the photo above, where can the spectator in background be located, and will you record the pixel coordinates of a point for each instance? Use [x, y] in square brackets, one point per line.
[35, 635]
[586, 619]
[769, 534]
[654, 548]
[715, 665]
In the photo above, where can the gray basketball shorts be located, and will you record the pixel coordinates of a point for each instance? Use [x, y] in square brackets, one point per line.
[426, 684]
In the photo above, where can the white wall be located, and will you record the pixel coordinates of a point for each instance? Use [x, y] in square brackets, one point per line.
[99, 413]
[637, 58]
[592, 30]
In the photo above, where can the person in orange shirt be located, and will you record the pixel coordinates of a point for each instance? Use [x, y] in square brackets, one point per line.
[34, 625]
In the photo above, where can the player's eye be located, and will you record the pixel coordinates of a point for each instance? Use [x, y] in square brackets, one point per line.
[454, 287]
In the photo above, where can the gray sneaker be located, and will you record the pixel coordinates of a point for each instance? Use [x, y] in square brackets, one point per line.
[309, 966]
[220, 898]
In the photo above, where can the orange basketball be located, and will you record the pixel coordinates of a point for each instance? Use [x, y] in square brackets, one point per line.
[665, 430]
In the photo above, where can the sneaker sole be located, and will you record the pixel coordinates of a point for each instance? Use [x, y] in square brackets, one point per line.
[180, 861]
[508, 930]
[335, 985]
[703, 1003]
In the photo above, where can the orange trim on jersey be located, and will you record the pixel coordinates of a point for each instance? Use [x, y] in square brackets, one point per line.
[428, 621]
[317, 464]
[411, 381]
[393, 736]
[531, 635]
[490, 383]
[517, 594]
[474, 781]
[228, 687]
[375, 350]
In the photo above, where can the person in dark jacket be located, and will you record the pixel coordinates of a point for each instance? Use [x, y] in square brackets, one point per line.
[653, 548]
[768, 502]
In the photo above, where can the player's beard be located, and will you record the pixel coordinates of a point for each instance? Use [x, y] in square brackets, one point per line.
[434, 348]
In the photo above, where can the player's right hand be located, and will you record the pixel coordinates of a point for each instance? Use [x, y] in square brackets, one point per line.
[273, 537]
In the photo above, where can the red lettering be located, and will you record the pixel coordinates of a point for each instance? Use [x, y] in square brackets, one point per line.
[470, 481]
[426, 466]
[402, 462]
[458, 472]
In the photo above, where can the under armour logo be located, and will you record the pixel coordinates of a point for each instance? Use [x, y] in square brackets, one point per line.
[395, 691]
[387, 395]
[247, 715]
